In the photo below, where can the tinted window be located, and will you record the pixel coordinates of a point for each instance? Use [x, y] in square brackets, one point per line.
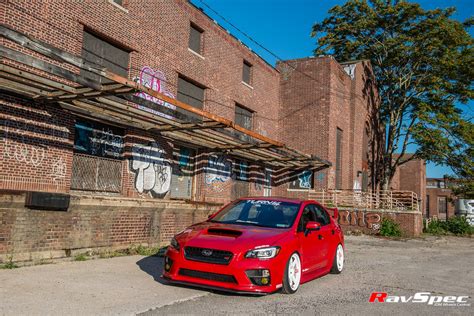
[322, 216]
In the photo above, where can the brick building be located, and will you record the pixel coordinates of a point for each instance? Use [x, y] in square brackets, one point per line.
[184, 118]
[439, 199]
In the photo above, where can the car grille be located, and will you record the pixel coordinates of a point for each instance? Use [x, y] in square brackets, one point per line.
[214, 256]
[208, 275]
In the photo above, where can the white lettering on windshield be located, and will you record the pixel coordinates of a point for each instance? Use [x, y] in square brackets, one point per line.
[265, 202]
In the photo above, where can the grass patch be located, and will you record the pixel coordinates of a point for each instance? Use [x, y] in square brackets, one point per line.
[81, 257]
[390, 228]
[143, 250]
[9, 265]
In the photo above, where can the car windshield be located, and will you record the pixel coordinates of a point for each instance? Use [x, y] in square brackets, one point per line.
[263, 213]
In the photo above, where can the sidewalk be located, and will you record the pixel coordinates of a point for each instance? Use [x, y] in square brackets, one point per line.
[117, 286]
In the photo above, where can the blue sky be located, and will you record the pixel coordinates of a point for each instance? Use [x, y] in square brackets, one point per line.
[284, 27]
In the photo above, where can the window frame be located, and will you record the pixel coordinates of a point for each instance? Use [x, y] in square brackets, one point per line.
[245, 64]
[200, 31]
[243, 108]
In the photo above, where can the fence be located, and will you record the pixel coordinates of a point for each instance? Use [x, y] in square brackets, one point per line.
[389, 200]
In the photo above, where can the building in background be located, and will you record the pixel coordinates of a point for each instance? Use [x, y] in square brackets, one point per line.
[141, 118]
[439, 199]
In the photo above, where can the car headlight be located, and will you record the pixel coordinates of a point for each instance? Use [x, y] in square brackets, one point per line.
[174, 244]
[263, 253]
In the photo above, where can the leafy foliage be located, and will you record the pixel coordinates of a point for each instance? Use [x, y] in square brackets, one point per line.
[423, 62]
[457, 225]
[390, 228]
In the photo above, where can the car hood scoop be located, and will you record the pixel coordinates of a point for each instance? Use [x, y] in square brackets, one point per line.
[223, 232]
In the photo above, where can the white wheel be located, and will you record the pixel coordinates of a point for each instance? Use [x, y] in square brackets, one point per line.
[292, 278]
[338, 263]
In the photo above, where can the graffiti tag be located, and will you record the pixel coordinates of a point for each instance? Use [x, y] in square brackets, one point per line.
[152, 170]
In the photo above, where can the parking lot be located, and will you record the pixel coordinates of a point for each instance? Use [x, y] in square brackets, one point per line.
[441, 266]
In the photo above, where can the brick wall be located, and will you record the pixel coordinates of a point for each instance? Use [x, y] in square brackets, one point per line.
[411, 176]
[369, 221]
[90, 223]
[317, 98]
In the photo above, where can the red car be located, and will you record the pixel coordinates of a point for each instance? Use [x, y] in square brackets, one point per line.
[258, 245]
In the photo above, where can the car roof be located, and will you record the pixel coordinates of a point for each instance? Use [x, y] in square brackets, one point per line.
[274, 198]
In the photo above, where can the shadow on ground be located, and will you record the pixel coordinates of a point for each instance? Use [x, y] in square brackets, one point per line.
[153, 265]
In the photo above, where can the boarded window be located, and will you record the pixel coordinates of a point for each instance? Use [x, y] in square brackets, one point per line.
[183, 170]
[97, 160]
[246, 72]
[195, 38]
[105, 54]
[190, 93]
[243, 116]
[303, 180]
[339, 159]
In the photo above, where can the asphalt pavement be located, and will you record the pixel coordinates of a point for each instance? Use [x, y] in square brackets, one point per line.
[441, 266]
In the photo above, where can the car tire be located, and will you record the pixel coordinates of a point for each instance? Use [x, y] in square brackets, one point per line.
[338, 261]
[292, 275]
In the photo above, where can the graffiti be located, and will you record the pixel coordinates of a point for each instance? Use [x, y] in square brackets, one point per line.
[155, 80]
[152, 170]
[305, 179]
[19, 145]
[58, 169]
[218, 172]
[98, 139]
[360, 218]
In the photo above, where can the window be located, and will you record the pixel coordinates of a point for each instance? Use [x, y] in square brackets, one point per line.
[119, 2]
[195, 38]
[190, 93]
[339, 159]
[243, 116]
[322, 217]
[105, 54]
[313, 213]
[246, 72]
[97, 158]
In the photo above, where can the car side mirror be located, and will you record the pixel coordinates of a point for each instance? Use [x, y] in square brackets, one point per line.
[312, 226]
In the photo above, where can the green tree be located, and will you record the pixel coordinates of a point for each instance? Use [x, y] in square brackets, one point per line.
[423, 61]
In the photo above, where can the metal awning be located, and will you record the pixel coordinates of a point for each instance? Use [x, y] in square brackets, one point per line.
[62, 77]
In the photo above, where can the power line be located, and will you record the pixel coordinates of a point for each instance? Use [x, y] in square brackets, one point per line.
[255, 41]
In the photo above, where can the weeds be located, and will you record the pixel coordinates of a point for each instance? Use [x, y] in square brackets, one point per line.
[81, 257]
[390, 228]
[457, 225]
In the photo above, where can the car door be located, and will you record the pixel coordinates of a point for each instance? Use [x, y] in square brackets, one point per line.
[309, 241]
[326, 235]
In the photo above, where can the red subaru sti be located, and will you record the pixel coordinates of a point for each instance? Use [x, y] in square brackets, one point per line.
[258, 245]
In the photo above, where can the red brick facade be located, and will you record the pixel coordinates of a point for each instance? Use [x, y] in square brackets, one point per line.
[39, 143]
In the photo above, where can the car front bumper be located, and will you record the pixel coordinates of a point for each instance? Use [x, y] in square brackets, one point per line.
[230, 277]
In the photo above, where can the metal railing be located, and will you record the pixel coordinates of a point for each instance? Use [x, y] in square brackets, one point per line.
[382, 200]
